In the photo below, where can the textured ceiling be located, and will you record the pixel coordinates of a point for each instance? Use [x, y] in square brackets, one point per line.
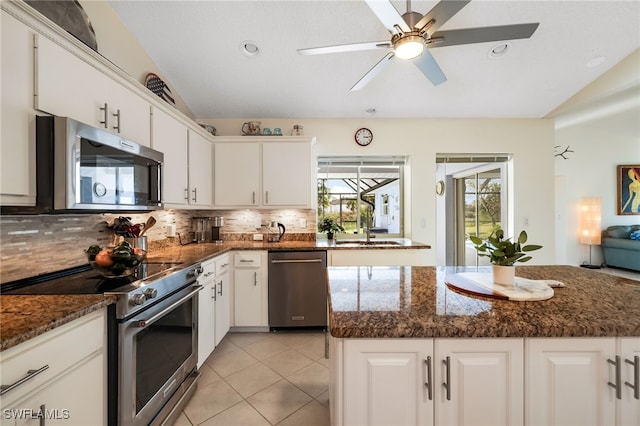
[196, 46]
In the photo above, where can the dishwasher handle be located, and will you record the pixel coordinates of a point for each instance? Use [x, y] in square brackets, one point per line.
[297, 261]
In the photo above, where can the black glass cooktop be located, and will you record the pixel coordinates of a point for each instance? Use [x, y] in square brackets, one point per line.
[81, 280]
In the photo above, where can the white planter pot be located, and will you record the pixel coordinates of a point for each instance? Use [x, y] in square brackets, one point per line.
[504, 274]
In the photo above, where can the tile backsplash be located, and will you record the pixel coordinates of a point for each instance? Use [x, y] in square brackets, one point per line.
[33, 245]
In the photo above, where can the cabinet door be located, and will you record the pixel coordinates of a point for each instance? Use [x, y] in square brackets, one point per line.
[17, 139]
[236, 174]
[75, 398]
[566, 381]
[630, 358]
[384, 382]
[484, 381]
[200, 161]
[130, 115]
[68, 86]
[206, 313]
[170, 137]
[247, 285]
[223, 306]
[286, 174]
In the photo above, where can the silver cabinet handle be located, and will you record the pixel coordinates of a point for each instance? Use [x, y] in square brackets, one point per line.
[213, 292]
[186, 193]
[447, 383]
[195, 194]
[117, 126]
[266, 197]
[104, 109]
[636, 376]
[245, 261]
[30, 375]
[255, 278]
[297, 261]
[220, 291]
[253, 197]
[617, 385]
[427, 381]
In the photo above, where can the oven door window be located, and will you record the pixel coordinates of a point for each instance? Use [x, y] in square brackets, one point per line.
[161, 349]
[112, 176]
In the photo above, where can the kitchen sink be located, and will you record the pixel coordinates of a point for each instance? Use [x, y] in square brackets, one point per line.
[358, 243]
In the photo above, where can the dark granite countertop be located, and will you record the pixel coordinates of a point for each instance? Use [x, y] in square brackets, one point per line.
[25, 317]
[415, 302]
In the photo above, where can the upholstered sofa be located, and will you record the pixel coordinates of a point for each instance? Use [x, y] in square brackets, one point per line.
[618, 247]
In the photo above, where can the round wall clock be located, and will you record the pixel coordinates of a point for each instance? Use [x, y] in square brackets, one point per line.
[363, 136]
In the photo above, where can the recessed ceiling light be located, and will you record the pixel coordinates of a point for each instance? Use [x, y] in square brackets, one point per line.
[599, 60]
[499, 50]
[249, 48]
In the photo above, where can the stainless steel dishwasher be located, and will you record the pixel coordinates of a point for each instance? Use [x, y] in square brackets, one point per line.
[297, 289]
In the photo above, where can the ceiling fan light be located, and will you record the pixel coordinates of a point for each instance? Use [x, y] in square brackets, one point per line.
[409, 47]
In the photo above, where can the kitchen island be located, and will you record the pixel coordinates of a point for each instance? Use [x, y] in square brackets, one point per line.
[407, 349]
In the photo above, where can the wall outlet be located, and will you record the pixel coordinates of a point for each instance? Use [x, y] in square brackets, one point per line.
[257, 237]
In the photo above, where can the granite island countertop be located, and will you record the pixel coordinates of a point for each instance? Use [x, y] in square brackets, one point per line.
[415, 302]
[23, 317]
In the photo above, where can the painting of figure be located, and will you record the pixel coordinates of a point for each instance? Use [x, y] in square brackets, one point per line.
[629, 189]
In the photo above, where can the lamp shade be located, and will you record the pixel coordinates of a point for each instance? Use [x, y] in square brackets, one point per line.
[590, 221]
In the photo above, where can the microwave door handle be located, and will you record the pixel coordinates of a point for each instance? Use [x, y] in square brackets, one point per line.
[155, 183]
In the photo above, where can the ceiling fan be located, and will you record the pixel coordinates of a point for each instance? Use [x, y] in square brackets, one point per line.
[412, 35]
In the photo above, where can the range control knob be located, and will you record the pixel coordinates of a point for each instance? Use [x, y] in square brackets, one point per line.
[138, 299]
[195, 272]
[150, 293]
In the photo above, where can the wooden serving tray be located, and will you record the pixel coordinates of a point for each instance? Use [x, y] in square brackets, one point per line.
[481, 284]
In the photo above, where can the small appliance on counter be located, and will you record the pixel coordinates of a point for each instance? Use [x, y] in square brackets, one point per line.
[216, 223]
[200, 229]
[275, 232]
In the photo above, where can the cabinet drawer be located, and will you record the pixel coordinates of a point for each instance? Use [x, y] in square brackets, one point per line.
[60, 349]
[246, 259]
[223, 264]
[208, 270]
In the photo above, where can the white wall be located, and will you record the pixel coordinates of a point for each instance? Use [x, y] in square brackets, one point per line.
[530, 141]
[601, 124]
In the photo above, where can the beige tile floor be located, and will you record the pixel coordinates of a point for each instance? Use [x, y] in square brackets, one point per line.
[263, 379]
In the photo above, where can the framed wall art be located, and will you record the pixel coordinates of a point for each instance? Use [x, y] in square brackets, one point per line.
[629, 189]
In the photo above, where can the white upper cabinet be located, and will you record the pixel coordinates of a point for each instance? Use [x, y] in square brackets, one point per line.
[236, 171]
[17, 133]
[263, 172]
[68, 86]
[170, 137]
[286, 174]
[200, 173]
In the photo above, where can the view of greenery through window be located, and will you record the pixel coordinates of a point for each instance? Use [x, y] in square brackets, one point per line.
[354, 193]
[483, 203]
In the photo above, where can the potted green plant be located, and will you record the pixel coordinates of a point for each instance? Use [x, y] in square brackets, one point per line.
[330, 226]
[504, 253]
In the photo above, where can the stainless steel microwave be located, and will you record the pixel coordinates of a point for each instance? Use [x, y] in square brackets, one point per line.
[83, 168]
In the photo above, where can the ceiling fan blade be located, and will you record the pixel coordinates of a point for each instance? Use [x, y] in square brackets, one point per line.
[483, 34]
[373, 72]
[441, 13]
[354, 47]
[388, 15]
[430, 68]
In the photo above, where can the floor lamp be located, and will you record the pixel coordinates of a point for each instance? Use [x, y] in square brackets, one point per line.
[589, 224]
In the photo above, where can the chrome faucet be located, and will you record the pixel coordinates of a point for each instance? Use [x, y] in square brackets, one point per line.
[368, 223]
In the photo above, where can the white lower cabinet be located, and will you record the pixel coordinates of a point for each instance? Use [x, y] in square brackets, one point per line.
[66, 369]
[629, 402]
[223, 296]
[427, 381]
[586, 381]
[250, 298]
[213, 305]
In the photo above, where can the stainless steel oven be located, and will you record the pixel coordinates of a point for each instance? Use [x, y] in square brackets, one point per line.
[157, 352]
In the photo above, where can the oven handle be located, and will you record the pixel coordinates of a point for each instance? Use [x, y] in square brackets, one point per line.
[156, 317]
